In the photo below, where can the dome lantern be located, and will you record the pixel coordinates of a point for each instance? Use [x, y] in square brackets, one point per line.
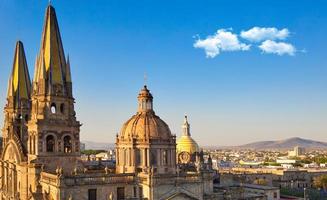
[145, 99]
[186, 127]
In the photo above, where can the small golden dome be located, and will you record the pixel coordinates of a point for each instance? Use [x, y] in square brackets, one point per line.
[186, 142]
[145, 124]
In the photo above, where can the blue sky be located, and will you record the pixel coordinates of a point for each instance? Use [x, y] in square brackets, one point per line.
[232, 98]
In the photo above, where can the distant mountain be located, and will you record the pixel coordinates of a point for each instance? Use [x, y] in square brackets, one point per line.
[285, 144]
[98, 145]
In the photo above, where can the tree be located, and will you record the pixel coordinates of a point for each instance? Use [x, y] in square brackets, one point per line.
[320, 182]
[260, 181]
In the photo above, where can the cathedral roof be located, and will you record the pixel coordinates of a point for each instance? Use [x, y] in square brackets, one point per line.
[186, 142]
[145, 124]
[19, 85]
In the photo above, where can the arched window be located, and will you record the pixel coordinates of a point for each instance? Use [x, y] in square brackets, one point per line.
[67, 144]
[53, 108]
[50, 143]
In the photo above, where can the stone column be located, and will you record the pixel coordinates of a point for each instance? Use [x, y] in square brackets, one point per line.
[148, 156]
[173, 157]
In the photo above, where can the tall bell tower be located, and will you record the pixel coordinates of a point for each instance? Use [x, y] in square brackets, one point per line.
[17, 109]
[53, 129]
[15, 134]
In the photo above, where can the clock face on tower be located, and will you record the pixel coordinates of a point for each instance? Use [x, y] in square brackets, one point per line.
[184, 157]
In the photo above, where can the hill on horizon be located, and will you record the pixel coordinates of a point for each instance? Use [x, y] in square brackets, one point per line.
[286, 144]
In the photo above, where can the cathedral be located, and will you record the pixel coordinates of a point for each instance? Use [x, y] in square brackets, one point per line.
[40, 155]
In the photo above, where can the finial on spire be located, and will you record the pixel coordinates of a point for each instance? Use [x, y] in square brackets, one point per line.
[145, 78]
[186, 127]
[49, 2]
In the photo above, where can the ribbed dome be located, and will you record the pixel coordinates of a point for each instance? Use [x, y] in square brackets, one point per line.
[145, 124]
[187, 144]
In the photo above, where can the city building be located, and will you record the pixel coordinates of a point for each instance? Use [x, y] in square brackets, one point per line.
[296, 152]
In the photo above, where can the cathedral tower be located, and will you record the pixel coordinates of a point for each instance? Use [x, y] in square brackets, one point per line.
[53, 129]
[15, 134]
[17, 109]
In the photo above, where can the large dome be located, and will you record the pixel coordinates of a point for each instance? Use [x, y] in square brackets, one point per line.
[145, 124]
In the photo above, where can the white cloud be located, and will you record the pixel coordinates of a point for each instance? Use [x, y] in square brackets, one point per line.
[258, 34]
[279, 48]
[223, 40]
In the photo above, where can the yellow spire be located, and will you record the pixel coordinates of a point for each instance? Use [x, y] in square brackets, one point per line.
[19, 86]
[52, 52]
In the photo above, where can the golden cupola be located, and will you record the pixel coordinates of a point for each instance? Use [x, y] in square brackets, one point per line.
[186, 145]
[145, 124]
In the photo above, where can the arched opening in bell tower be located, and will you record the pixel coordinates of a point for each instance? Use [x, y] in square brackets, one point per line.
[50, 142]
[67, 144]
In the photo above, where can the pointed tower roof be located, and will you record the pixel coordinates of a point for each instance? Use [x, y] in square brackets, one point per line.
[19, 86]
[68, 74]
[52, 52]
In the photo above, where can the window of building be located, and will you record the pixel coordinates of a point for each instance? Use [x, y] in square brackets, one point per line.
[50, 142]
[67, 144]
[153, 157]
[137, 157]
[165, 157]
[53, 108]
[92, 194]
[120, 193]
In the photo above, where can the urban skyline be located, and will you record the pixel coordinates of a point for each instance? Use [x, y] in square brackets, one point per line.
[236, 96]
